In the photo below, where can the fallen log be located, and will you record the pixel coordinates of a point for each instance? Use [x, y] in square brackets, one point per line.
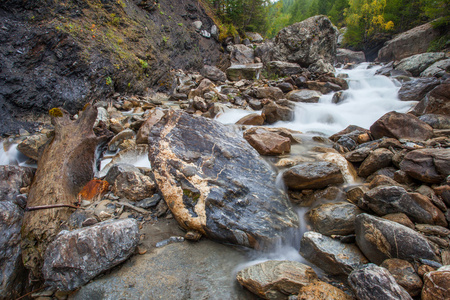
[65, 166]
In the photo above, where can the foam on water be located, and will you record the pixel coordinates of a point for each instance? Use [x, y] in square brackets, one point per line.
[368, 98]
[9, 155]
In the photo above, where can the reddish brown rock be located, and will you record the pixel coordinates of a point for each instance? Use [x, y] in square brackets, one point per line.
[313, 175]
[269, 143]
[400, 218]
[403, 272]
[252, 119]
[320, 290]
[94, 189]
[427, 165]
[378, 159]
[401, 126]
[436, 284]
[273, 93]
[436, 102]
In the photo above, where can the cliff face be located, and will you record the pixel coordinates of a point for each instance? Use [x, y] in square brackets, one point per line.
[68, 52]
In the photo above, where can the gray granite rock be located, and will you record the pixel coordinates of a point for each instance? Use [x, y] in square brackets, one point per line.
[331, 255]
[214, 182]
[76, 257]
[371, 282]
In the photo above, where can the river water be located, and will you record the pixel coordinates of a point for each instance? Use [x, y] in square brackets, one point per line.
[368, 98]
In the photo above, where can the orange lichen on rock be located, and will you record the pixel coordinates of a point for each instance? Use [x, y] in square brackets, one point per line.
[94, 188]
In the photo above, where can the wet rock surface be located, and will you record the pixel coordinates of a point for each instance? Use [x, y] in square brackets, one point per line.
[76, 257]
[203, 176]
[401, 126]
[428, 165]
[331, 255]
[334, 218]
[313, 175]
[385, 200]
[373, 282]
[380, 239]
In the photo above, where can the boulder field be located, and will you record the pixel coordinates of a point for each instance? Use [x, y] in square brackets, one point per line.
[181, 201]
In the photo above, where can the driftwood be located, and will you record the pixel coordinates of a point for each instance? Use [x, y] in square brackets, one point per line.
[65, 166]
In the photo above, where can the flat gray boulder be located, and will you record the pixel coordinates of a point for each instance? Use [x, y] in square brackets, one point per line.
[76, 257]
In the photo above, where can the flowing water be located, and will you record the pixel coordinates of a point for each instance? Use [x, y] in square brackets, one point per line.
[368, 98]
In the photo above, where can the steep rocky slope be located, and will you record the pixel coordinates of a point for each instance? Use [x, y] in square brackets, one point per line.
[68, 52]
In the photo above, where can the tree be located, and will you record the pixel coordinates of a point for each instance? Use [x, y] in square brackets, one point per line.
[364, 19]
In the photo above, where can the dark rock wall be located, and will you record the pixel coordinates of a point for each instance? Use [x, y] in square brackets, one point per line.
[66, 53]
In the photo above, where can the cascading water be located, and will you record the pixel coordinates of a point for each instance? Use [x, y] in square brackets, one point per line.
[368, 98]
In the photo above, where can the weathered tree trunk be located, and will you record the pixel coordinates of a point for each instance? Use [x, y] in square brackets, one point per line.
[65, 166]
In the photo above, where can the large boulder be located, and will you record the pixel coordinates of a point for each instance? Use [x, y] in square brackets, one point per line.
[437, 101]
[76, 257]
[331, 255]
[411, 42]
[380, 239]
[276, 279]
[401, 126]
[416, 64]
[306, 42]
[385, 200]
[214, 182]
[416, 89]
[428, 165]
[371, 282]
[12, 271]
[345, 56]
[241, 55]
[313, 175]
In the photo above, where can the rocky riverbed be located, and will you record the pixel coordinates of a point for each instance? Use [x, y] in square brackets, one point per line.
[180, 199]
